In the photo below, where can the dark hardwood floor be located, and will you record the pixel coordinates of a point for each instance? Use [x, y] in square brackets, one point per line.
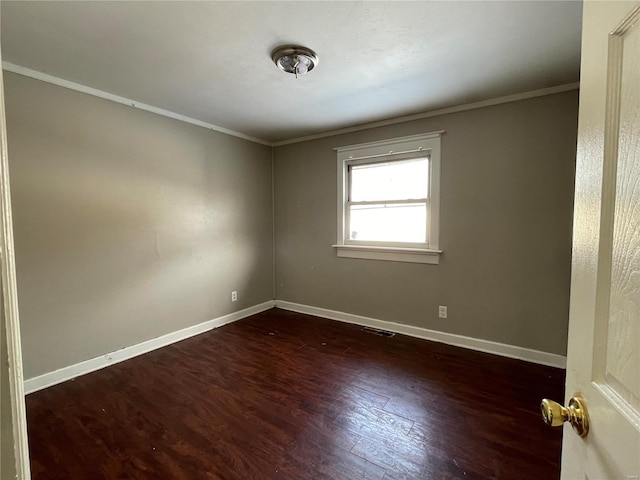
[286, 396]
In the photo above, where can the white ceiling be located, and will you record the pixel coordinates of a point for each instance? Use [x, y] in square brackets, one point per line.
[211, 60]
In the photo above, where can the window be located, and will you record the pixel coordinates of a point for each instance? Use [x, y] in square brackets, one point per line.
[388, 199]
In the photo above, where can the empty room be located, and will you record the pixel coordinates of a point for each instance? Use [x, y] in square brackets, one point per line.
[320, 240]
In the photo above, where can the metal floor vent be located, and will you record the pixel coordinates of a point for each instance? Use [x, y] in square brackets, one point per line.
[376, 331]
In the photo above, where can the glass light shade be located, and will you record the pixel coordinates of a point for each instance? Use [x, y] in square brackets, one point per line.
[294, 59]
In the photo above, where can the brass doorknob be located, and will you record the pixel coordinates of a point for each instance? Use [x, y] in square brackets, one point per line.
[576, 414]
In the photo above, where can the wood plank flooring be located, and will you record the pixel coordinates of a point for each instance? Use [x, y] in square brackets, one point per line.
[287, 396]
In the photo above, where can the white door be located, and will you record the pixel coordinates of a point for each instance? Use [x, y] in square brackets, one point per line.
[603, 362]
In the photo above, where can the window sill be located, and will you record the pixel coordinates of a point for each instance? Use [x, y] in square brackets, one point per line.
[392, 254]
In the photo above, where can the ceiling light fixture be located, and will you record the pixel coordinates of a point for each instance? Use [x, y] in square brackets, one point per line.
[294, 59]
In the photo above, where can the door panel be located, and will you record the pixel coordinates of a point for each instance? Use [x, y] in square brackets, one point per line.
[623, 332]
[603, 362]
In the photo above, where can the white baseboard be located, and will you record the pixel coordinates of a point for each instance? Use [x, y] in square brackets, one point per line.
[72, 371]
[487, 346]
[67, 373]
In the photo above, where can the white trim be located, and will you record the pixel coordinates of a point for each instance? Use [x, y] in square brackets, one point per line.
[410, 143]
[427, 144]
[434, 113]
[478, 344]
[27, 72]
[67, 373]
[393, 254]
[44, 77]
[10, 310]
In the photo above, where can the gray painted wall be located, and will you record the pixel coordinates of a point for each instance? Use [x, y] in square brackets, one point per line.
[506, 213]
[128, 225]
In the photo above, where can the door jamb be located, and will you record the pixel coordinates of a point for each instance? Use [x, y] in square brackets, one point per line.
[10, 307]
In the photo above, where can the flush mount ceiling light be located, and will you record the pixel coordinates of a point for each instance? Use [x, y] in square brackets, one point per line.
[294, 59]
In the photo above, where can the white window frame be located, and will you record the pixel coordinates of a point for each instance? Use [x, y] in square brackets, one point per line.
[414, 146]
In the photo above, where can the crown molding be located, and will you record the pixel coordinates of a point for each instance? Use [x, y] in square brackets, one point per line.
[27, 72]
[434, 113]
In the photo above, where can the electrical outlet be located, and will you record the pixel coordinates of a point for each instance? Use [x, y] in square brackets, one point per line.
[234, 296]
[442, 311]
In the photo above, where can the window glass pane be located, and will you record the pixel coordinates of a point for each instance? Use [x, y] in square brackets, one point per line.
[389, 223]
[397, 180]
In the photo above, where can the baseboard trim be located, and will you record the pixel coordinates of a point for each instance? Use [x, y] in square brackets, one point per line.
[487, 346]
[72, 371]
